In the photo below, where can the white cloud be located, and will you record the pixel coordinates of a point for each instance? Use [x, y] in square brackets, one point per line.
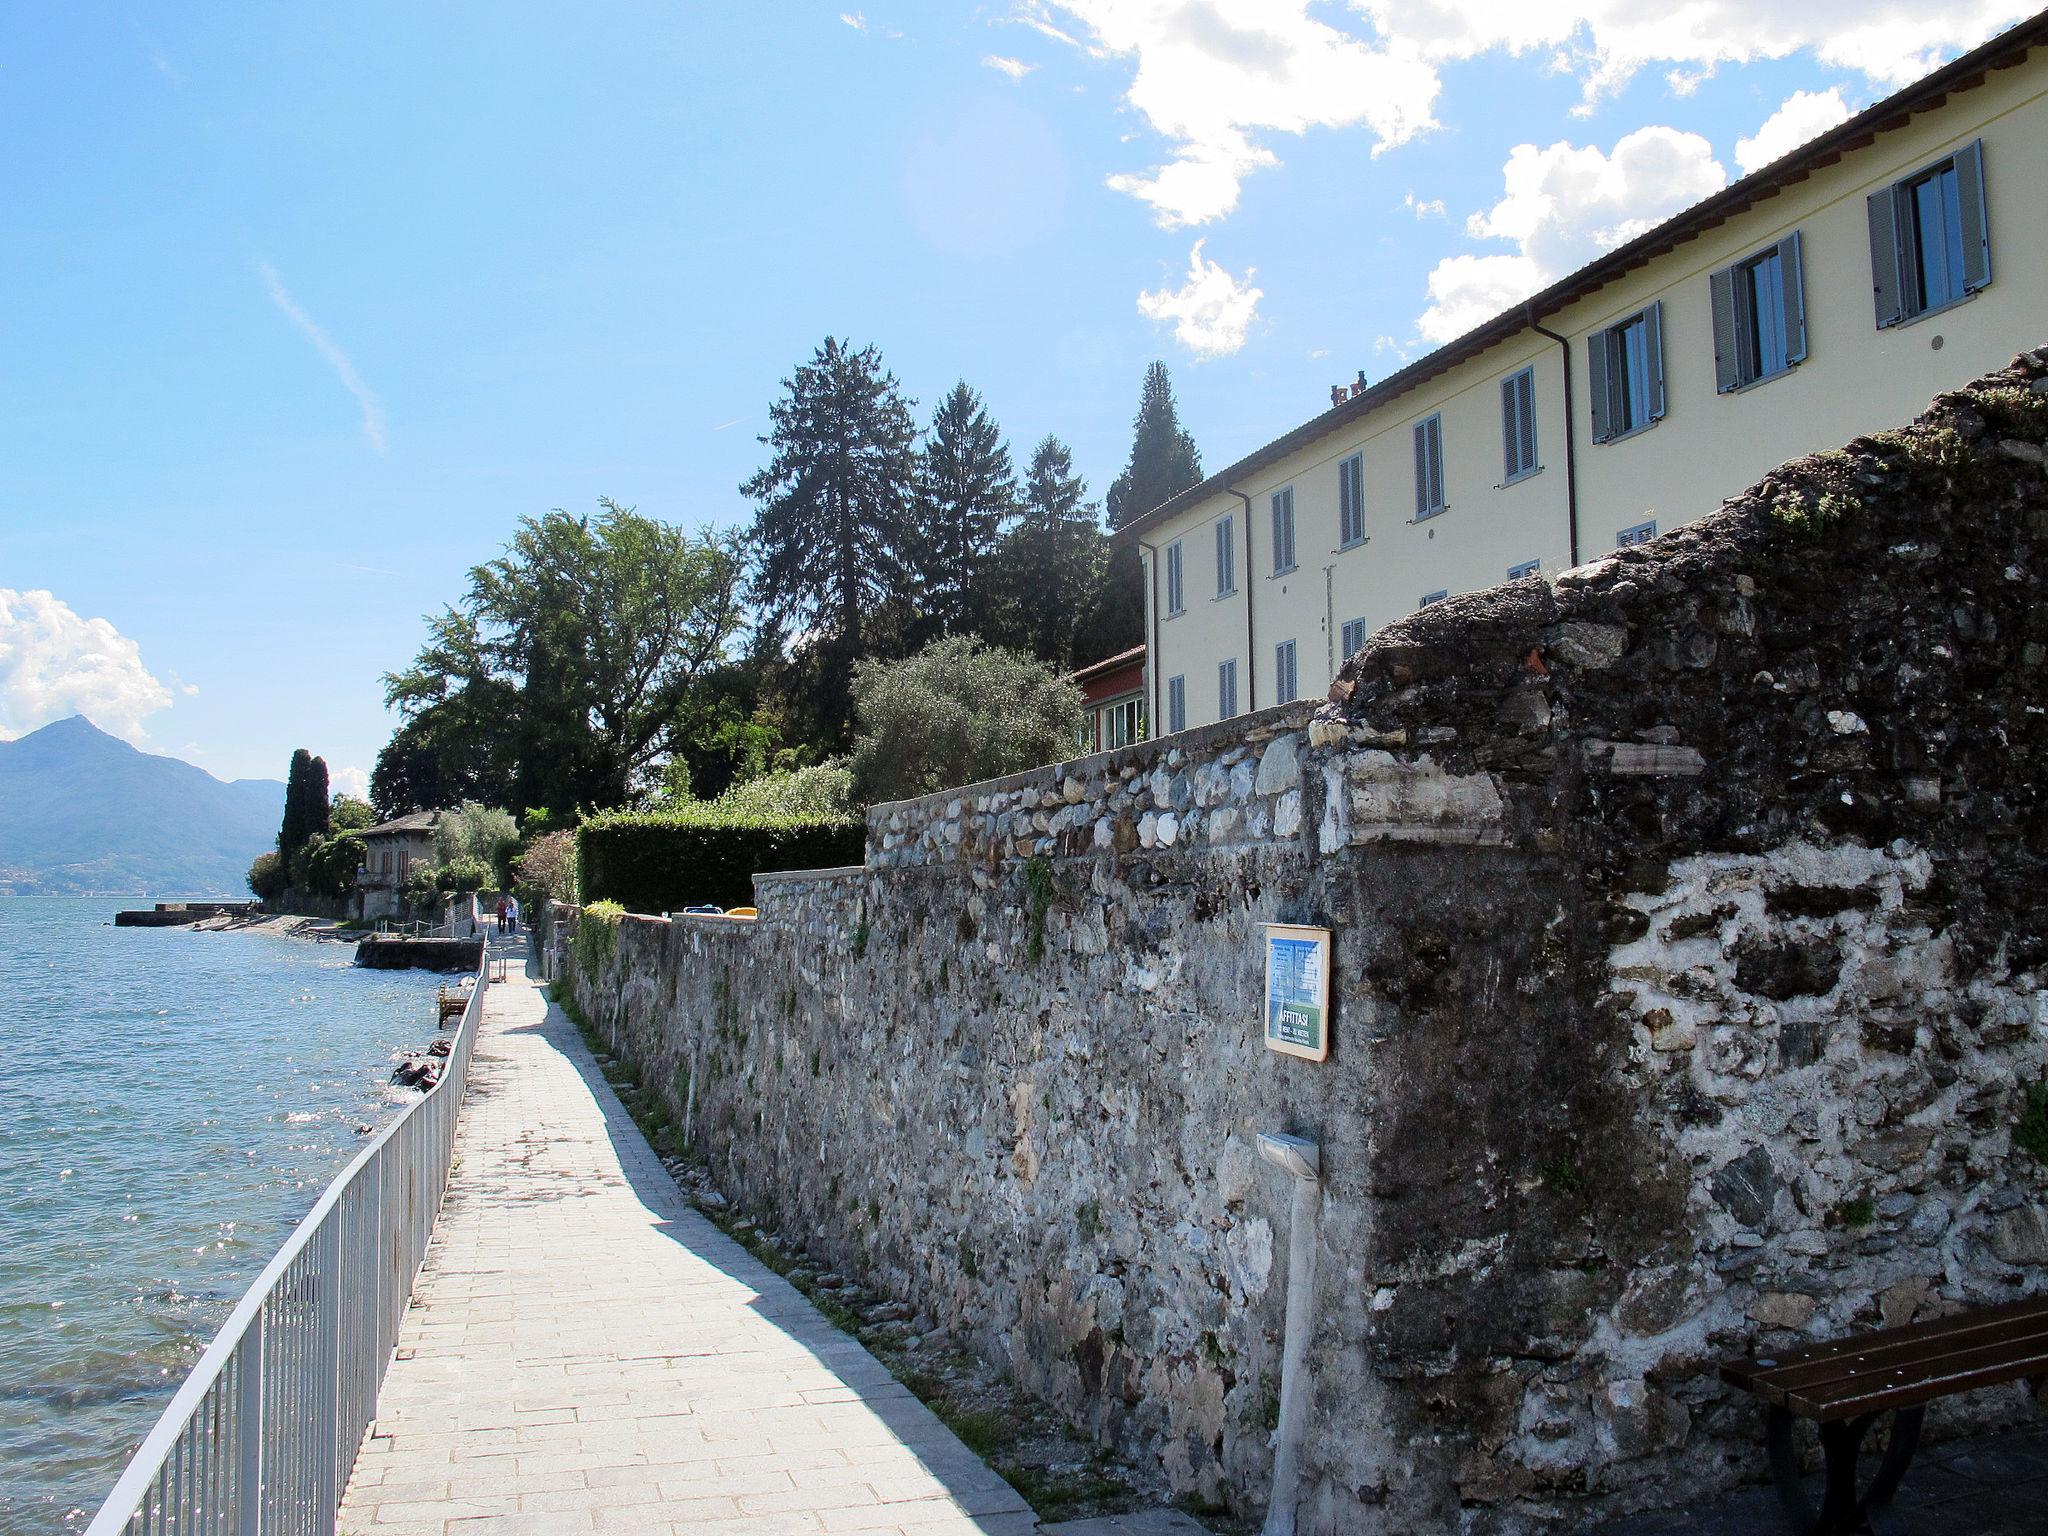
[349, 781]
[1432, 209]
[1016, 69]
[1210, 74]
[855, 19]
[1562, 207]
[54, 664]
[1215, 78]
[1212, 311]
[344, 370]
[1606, 42]
[1804, 115]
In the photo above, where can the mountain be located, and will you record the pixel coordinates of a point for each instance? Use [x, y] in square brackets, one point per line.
[83, 813]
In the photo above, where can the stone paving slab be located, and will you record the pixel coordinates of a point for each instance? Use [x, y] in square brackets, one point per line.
[586, 1353]
[1993, 1485]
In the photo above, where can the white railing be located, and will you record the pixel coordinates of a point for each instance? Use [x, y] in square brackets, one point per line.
[262, 1436]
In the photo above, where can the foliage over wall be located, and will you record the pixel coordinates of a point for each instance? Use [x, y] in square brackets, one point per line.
[661, 861]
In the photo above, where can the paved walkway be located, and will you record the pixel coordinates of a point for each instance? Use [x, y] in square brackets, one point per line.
[585, 1352]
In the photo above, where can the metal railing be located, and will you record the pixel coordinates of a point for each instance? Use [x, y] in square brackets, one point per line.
[261, 1438]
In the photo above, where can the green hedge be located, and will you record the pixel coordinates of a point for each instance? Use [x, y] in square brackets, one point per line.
[662, 861]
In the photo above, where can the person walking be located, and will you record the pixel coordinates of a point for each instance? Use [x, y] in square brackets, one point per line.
[501, 914]
[512, 914]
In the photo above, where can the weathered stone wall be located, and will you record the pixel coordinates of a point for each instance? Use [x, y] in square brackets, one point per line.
[1688, 962]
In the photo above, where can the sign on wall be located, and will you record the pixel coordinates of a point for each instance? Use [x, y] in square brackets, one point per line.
[1298, 990]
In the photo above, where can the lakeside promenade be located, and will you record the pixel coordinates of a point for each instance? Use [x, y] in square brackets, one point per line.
[585, 1352]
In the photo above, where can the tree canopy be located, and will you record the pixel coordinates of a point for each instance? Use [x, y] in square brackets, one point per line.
[966, 494]
[573, 666]
[305, 805]
[1049, 572]
[958, 711]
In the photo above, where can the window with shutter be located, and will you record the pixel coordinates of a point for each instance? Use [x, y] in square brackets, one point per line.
[1526, 568]
[1642, 533]
[1175, 587]
[1518, 426]
[1226, 556]
[1354, 636]
[1283, 530]
[1429, 467]
[1434, 597]
[1176, 704]
[1759, 316]
[1226, 689]
[1930, 238]
[1627, 374]
[1351, 501]
[1285, 689]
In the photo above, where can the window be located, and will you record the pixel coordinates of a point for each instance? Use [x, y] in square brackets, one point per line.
[1283, 530]
[1120, 723]
[1176, 590]
[1285, 681]
[1433, 597]
[1176, 704]
[1226, 689]
[1429, 467]
[1642, 533]
[1518, 426]
[1930, 238]
[1226, 556]
[1759, 316]
[1526, 568]
[1353, 639]
[1351, 501]
[1628, 374]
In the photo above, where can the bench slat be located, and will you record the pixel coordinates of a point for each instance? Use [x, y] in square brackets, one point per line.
[1884, 1356]
[1769, 1375]
[1963, 1373]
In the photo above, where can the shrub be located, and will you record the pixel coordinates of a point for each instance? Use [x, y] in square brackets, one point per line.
[548, 868]
[685, 855]
[327, 866]
[423, 888]
[597, 936]
[957, 712]
[823, 790]
[268, 877]
[474, 833]
[460, 876]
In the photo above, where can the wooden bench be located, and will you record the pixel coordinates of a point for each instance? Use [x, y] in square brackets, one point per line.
[1845, 1386]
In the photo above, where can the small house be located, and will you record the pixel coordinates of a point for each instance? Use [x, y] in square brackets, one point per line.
[393, 850]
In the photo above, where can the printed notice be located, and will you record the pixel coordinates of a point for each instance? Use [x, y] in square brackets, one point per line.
[1298, 990]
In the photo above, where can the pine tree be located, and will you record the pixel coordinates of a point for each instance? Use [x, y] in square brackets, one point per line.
[966, 492]
[1049, 571]
[305, 804]
[1164, 462]
[831, 529]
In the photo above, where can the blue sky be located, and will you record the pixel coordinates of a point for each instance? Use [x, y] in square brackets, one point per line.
[308, 303]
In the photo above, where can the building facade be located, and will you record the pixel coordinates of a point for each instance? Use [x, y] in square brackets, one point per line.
[392, 851]
[1113, 694]
[1830, 293]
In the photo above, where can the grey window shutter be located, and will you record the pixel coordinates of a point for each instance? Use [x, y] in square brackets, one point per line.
[1727, 341]
[1598, 362]
[1885, 276]
[1653, 336]
[1525, 391]
[1792, 273]
[1422, 469]
[1510, 427]
[1976, 216]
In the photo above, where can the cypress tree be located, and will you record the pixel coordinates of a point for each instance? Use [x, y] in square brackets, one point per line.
[966, 492]
[1049, 571]
[305, 804]
[1164, 462]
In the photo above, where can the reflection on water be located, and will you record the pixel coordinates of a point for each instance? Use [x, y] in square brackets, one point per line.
[173, 1102]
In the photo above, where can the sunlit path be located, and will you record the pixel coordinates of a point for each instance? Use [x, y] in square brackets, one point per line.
[587, 1353]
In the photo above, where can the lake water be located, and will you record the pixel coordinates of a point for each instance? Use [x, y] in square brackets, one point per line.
[170, 1104]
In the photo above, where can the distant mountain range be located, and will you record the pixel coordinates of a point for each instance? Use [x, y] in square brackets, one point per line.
[83, 813]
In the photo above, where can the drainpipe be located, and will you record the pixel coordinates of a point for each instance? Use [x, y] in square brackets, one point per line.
[1571, 438]
[1304, 1162]
[1150, 553]
[1251, 644]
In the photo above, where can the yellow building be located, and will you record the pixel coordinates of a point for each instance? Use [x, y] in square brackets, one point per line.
[1829, 294]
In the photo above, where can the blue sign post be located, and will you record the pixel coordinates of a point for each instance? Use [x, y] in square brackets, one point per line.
[1298, 991]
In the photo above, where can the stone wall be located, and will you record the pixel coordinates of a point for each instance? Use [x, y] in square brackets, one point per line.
[1688, 967]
